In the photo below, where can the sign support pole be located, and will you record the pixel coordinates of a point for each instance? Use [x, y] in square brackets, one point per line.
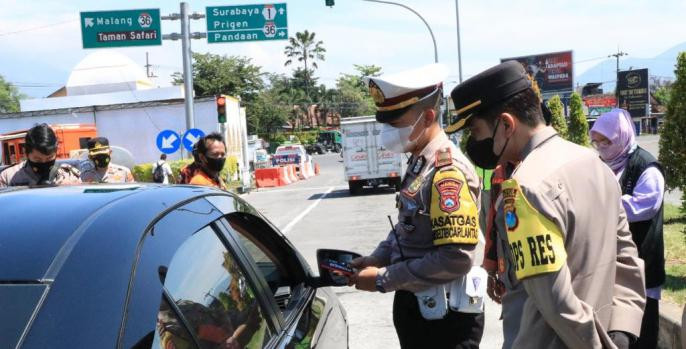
[187, 65]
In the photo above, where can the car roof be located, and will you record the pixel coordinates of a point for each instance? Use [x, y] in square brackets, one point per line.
[37, 225]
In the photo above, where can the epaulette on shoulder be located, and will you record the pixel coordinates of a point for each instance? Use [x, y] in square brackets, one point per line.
[443, 158]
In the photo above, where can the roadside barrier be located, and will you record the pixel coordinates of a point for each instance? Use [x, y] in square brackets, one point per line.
[268, 177]
[316, 169]
[292, 175]
[283, 175]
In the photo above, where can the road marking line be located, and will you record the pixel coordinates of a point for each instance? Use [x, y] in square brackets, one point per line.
[295, 220]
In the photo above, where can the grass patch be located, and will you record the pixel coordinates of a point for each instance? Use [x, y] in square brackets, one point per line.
[674, 289]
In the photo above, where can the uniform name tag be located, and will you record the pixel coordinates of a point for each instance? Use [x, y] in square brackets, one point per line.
[536, 243]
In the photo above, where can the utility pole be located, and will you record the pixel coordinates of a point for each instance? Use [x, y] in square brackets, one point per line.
[617, 55]
[185, 16]
[459, 50]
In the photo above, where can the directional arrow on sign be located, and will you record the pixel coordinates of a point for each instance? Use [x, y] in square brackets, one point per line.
[168, 142]
[282, 33]
[88, 22]
[192, 138]
[281, 11]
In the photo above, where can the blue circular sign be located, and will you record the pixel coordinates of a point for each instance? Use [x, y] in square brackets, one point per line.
[168, 141]
[191, 137]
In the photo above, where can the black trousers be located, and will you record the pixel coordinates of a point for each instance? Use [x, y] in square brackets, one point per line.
[650, 326]
[454, 331]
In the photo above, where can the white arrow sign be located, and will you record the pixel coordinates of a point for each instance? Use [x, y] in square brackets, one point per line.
[281, 11]
[88, 22]
[192, 138]
[282, 34]
[168, 142]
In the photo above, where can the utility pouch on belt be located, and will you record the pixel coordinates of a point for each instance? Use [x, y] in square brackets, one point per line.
[467, 293]
[433, 303]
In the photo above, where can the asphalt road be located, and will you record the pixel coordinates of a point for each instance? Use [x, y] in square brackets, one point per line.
[319, 213]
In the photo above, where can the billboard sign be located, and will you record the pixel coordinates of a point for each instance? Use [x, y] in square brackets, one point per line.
[553, 72]
[633, 91]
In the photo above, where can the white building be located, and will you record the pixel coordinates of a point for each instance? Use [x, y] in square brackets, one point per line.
[109, 90]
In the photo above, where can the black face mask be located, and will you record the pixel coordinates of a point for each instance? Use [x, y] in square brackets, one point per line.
[215, 164]
[101, 161]
[42, 169]
[481, 152]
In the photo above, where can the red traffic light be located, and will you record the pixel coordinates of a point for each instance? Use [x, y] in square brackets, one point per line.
[221, 101]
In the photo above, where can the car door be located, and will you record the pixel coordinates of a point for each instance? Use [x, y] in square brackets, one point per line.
[190, 290]
[309, 317]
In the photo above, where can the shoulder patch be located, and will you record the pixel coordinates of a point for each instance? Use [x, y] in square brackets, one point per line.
[536, 244]
[414, 186]
[454, 216]
[443, 158]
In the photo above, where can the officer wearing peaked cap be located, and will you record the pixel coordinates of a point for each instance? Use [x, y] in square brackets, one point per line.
[99, 168]
[571, 270]
[432, 247]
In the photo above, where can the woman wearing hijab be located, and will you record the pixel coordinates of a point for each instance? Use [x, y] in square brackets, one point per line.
[642, 181]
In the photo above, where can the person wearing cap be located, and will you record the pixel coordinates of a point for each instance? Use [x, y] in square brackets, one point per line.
[572, 271]
[643, 187]
[39, 168]
[102, 170]
[434, 242]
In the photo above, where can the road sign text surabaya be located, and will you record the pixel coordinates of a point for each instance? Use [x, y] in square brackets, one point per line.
[236, 11]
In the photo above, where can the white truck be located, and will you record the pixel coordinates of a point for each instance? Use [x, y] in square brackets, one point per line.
[367, 162]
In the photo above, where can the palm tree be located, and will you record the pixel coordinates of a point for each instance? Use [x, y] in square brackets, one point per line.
[305, 48]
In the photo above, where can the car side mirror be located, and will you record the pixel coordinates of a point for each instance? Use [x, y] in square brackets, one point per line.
[334, 267]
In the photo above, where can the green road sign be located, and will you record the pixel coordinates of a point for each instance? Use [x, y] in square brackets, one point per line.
[121, 28]
[247, 23]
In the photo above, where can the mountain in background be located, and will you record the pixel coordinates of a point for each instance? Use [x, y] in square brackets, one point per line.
[606, 71]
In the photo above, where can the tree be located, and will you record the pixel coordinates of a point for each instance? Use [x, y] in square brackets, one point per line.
[558, 120]
[305, 48]
[672, 141]
[9, 97]
[354, 97]
[578, 126]
[231, 75]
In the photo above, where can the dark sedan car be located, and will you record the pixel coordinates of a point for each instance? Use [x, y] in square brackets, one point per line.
[116, 266]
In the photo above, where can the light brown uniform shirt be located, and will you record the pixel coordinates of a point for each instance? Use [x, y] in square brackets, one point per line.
[114, 174]
[427, 219]
[600, 285]
[22, 175]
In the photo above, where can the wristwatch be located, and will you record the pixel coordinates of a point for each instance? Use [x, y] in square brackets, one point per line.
[379, 285]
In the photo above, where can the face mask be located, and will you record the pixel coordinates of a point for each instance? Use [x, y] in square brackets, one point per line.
[215, 164]
[42, 169]
[101, 161]
[481, 152]
[397, 139]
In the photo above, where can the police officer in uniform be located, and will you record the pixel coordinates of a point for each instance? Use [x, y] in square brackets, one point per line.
[39, 167]
[100, 169]
[572, 272]
[434, 240]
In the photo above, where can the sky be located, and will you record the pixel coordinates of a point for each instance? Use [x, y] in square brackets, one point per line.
[40, 41]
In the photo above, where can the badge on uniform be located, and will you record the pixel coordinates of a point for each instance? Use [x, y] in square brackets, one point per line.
[418, 165]
[449, 190]
[414, 186]
[443, 158]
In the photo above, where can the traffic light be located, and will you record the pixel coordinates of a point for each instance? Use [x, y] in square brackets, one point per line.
[329, 3]
[221, 109]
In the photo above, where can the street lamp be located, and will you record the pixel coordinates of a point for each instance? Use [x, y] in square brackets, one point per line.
[420, 17]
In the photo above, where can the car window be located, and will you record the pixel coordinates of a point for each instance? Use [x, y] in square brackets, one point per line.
[271, 256]
[211, 291]
[170, 331]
